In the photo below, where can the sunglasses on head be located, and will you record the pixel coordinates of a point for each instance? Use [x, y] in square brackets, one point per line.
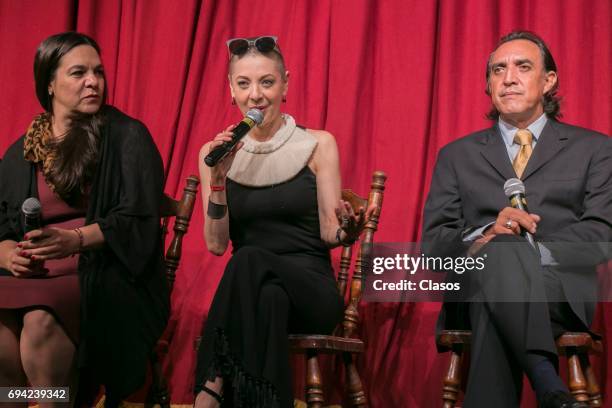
[239, 46]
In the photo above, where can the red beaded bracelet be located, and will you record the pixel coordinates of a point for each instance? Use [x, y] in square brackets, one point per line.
[217, 188]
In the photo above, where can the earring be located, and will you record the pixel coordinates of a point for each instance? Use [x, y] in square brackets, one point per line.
[50, 92]
[284, 99]
[233, 100]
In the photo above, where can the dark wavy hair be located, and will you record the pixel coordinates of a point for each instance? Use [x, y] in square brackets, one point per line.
[550, 100]
[76, 154]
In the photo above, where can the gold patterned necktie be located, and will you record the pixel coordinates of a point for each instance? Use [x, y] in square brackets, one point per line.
[523, 138]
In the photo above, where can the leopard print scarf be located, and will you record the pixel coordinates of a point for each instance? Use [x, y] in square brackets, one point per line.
[36, 146]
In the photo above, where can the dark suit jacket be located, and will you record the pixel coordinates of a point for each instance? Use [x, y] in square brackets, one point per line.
[568, 182]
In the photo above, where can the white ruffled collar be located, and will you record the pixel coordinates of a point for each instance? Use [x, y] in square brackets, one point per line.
[280, 138]
[261, 164]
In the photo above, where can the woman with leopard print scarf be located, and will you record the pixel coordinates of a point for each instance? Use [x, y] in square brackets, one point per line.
[73, 293]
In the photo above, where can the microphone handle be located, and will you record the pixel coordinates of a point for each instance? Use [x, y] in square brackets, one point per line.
[219, 153]
[31, 223]
[527, 235]
[518, 201]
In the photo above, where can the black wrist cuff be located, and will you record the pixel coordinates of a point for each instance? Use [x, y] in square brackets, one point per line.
[346, 242]
[216, 211]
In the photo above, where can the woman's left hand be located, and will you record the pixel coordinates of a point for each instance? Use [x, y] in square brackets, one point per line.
[50, 243]
[352, 223]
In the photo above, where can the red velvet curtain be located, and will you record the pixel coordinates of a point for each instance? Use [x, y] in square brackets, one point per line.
[393, 80]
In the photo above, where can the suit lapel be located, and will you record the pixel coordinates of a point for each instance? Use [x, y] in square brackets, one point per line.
[495, 152]
[549, 144]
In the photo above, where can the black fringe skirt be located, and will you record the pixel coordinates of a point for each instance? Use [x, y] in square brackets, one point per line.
[261, 298]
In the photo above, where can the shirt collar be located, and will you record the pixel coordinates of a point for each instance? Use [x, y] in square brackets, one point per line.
[508, 131]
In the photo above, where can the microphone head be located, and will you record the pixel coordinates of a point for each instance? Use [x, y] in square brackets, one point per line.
[513, 186]
[255, 115]
[31, 206]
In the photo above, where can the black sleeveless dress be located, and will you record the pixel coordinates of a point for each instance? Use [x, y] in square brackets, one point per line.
[278, 281]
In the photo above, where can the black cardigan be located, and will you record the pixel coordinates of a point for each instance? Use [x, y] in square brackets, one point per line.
[124, 295]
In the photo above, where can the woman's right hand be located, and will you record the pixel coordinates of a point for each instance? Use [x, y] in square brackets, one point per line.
[23, 266]
[219, 171]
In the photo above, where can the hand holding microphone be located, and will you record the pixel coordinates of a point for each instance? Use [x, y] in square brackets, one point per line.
[19, 263]
[515, 219]
[220, 151]
[40, 243]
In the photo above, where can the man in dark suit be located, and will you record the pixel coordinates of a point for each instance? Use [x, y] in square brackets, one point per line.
[530, 296]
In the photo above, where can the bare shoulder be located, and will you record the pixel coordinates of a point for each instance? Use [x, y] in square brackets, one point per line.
[326, 152]
[323, 137]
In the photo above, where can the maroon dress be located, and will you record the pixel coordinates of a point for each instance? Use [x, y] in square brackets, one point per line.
[58, 291]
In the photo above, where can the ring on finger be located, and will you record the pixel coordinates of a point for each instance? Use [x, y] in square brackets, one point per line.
[508, 224]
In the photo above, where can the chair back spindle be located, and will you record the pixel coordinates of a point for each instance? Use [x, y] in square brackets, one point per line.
[351, 313]
[182, 210]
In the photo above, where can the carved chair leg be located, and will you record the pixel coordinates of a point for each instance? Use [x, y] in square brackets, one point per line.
[452, 379]
[595, 399]
[356, 394]
[577, 382]
[314, 383]
[158, 392]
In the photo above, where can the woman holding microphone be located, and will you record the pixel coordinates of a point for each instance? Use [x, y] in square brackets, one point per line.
[276, 196]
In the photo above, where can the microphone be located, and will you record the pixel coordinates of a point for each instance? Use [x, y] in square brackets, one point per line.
[253, 117]
[515, 191]
[31, 214]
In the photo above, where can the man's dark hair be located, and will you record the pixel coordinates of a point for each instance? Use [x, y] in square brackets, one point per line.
[550, 102]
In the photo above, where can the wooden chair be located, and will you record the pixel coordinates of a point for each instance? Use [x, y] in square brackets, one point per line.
[575, 345]
[582, 381]
[342, 341]
[181, 210]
